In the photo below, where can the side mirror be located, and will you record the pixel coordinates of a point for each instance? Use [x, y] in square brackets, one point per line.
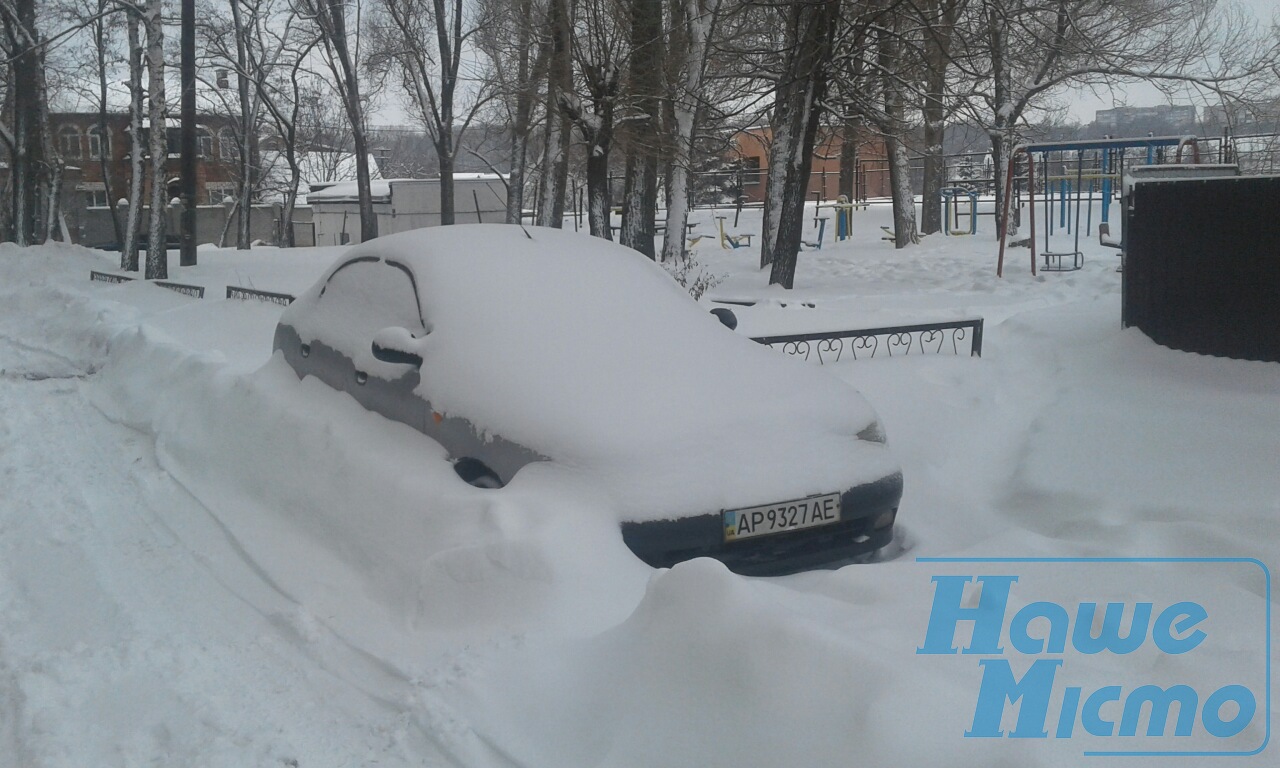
[726, 317]
[397, 345]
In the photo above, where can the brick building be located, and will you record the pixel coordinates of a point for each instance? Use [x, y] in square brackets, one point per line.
[871, 178]
[102, 158]
[97, 172]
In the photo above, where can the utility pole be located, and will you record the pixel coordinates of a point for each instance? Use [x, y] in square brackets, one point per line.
[187, 254]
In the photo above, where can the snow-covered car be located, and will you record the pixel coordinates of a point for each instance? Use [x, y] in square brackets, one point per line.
[511, 345]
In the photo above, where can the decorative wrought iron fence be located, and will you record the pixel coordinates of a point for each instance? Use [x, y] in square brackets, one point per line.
[249, 294]
[194, 291]
[107, 277]
[899, 340]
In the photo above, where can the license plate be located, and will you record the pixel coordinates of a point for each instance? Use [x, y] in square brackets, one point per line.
[785, 516]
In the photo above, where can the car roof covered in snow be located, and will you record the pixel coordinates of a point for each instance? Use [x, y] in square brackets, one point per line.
[591, 354]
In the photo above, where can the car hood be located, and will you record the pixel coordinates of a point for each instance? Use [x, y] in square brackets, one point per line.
[590, 354]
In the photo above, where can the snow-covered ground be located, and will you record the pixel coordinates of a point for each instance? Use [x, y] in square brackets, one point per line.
[204, 561]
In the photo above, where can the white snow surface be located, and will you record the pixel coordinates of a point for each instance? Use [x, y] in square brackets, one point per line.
[205, 561]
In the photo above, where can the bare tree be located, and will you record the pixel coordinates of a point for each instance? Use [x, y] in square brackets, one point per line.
[938, 20]
[23, 46]
[508, 40]
[424, 41]
[553, 180]
[692, 24]
[137, 149]
[810, 29]
[599, 50]
[893, 71]
[282, 97]
[643, 140]
[330, 18]
[157, 266]
[1025, 50]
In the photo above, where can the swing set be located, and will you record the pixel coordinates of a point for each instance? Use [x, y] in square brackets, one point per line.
[1107, 167]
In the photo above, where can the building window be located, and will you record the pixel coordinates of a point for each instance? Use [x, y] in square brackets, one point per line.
[173, 141]
[228, 150]
[204, 142]
[219, 192]
[99, 143]
[95, 194]
[69, 142]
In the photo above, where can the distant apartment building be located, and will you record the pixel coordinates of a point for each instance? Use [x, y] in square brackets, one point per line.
[1139, 121]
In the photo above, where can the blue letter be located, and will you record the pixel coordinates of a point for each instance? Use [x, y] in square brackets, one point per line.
[1091, 717]
[1109, 640]
[1243, 697]
[1160, 699]
[998, 686]
[987, 618]
[1067, 717]
[1058, 621]
[1189, 615]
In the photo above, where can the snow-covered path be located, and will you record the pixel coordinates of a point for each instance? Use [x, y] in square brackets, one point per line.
[133, 624]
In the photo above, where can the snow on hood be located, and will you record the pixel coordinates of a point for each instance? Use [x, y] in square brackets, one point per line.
[574, 346]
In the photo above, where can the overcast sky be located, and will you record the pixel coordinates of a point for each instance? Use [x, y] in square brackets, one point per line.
[1084, 103]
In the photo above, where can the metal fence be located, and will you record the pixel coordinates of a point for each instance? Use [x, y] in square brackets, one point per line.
[249, 294]
[955, 338]
[1202, 265]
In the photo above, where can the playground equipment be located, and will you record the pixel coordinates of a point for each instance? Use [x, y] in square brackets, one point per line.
[844, 221]
[844, 216]
[821, 223]
[728, 241]
[951, 210]
[1053, 260]
[1111, 163]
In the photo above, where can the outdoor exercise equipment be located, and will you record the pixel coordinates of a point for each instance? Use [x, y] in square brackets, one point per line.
[728, 241]
[822, 231]
[951, 210]
[844, 217]
[1117, 146]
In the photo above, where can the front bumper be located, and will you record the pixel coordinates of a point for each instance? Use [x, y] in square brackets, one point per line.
[663, 543]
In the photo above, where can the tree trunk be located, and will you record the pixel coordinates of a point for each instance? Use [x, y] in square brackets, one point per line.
[519, 154]
[137, 149]
[104, 132]
[245, 184]
[157, 254]
[695, 18]
[54, 225]
[904, 205]
[555, 156]
[598, 198]
[25, 170]
[797, 112]
[334, 27]
[941, 19]
[640, 193]
[447, 215]
[1006, 114]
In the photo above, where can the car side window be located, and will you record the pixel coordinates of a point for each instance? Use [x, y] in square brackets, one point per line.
[361, 298]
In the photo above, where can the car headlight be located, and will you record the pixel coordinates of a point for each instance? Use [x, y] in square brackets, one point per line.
[873, 433]
[884, 519]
